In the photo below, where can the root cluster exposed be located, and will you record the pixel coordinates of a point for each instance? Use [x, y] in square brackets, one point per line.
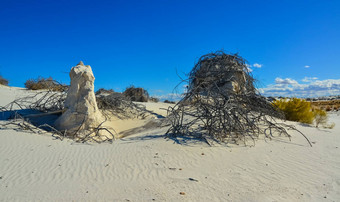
[221, 104]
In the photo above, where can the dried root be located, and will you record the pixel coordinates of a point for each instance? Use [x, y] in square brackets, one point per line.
[221, 104]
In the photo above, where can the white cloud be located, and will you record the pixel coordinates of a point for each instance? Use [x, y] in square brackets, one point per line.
[248, 67]
[312, 88]
[307, 66]
[309, 79]
[285, 81]
[257, 65]
[170, 96]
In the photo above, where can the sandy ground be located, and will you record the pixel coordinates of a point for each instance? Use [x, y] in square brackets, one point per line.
[147, 167]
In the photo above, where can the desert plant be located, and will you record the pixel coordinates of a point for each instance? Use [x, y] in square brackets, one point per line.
[154, 99]
[136, 94]
[296, 109]
[320, 117]
[170, 102]
[48, 84]
[222, 104]
[3, 81]
[329, 126]
[328, 108]
[119, 105]
[104, 91]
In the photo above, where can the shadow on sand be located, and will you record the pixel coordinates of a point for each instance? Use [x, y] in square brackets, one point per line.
[34, 117]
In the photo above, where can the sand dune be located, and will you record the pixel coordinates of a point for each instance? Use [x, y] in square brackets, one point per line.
[147, 167]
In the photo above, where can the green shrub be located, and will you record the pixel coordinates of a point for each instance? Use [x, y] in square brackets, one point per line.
[3, 81]
[42, 83]
[296, 109]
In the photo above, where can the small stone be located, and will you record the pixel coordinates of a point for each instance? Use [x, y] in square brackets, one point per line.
[192, 179]
[180, 169]
[182, 193]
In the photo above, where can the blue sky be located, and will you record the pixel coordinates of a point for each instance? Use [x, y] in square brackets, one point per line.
[293, 44]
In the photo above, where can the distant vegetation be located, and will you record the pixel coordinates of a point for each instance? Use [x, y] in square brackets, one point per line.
[300, 110]
[104, 91]
[154, 99]
[168, 101]
[296, 109]
[136, 94]
[3, 81]
[44, 84]
[328, 105]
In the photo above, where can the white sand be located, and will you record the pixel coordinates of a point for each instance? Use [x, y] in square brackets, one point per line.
[147, 167]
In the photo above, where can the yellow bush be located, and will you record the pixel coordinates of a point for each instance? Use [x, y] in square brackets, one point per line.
[296, 109]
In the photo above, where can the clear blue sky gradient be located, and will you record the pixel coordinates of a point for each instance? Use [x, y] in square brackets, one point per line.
[144, 42]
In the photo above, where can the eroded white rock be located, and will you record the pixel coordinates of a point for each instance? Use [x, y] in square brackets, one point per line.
[82, 113]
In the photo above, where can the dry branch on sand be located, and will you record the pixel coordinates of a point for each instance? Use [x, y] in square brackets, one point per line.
[30, 113]
[119, 105]
[222, 104]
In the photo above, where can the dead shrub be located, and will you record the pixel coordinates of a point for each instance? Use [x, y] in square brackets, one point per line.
[154, 99]
[170, 102]
[119, 105]
[45, 84]
[221, 104]
[3, 81]
[103, 91]
[136, 94]
[320, 117]
[328, 108]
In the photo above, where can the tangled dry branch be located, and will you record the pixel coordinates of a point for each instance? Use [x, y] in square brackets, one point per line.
[221, 104]
[119, 105]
